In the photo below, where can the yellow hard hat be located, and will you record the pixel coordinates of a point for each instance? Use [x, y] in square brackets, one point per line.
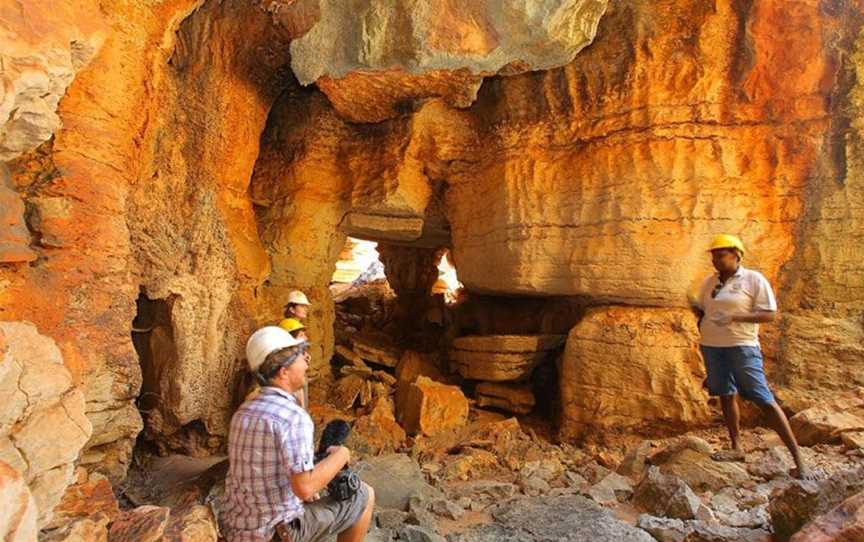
[291, 325]
[724, 240]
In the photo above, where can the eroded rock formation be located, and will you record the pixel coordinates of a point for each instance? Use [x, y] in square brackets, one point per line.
[192, 181]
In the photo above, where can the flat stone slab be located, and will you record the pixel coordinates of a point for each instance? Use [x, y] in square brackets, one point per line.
[501, 358]
[566, 519]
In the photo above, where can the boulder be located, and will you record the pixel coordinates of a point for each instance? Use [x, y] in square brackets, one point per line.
[826, 423]
[501, 358]
[627, 367]
[430, 408]
[702, 473]
[18, 512]
[802, 501]
[634, 461]
[350, 390]
[844, 523]
[516, 398]
[611, 489]
[377, 432]
[411, 365]
[666, 496]
[665, 529]
[41, 408]
[564, 518]
[395, 479]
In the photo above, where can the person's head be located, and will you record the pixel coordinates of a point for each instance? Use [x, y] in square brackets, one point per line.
[726, 253]
[277, 358]
[286, 368]
[298, 305]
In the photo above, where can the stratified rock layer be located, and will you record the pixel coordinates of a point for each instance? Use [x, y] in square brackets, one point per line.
[627, 367]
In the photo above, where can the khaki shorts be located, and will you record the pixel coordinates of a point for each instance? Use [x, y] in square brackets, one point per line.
[324, 518]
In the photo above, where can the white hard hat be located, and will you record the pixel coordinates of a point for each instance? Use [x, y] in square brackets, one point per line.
[265, 341]
[298, 298]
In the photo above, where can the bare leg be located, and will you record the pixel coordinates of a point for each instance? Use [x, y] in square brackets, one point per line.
[777, 420]
[732, 418]
[357, 532]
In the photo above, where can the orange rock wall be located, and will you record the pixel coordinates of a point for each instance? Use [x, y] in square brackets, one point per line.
[171, 177]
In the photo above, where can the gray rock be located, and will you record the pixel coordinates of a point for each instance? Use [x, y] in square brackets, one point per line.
[546, 519]
[390, 518]
[496, 490]
[576, 480]
[703, 473]
[395, 478]
[634, 462]
[665, 529]
[419, 514]
[613, 488]
[413, 533]
[666, 496]
[448, 509]
[534, 485]
[704, 532]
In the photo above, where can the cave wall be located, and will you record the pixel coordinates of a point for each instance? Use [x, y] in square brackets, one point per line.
[188, 164]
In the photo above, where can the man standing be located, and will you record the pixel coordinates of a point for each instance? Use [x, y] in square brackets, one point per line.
[733, 302]
[273, 485]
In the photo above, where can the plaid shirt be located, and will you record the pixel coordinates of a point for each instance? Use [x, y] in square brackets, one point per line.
[270, 439]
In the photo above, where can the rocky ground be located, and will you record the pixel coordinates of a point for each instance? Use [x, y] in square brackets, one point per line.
[495, 479]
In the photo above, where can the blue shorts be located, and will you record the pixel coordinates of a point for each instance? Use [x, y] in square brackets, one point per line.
[737, 369]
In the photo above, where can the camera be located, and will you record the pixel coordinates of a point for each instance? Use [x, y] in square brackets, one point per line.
[345, 484]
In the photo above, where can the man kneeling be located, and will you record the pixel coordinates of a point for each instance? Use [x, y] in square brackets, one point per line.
[273, 485]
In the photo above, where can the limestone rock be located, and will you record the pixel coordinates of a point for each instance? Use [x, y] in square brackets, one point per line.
[827, 422]
[666, 496]
[403, 52]
[516, 398]
[377, 349]
[430, 408]
[564, 518]
[628, 366]
[702, 473]
[39, 62]
[19, 513]
[41, 409]
[498, 358]
[377, 432]
[395, 479]
[845, 523]
[611, 489]
[801, 502]
[665, 529]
